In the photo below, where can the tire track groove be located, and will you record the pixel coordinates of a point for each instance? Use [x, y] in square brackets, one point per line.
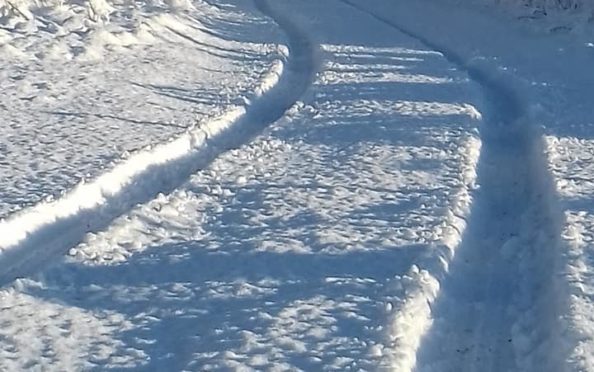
[495, 308]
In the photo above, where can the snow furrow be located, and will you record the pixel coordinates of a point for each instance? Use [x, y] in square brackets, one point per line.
[412, 319]
[32, 237]
[571, 164]
[486, 297]
[502, 105]
[496, 311]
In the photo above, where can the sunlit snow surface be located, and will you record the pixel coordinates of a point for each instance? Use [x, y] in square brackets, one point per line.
[80, 94]
[571, 163]
[289, 252]
[371, 227]
[548, 258]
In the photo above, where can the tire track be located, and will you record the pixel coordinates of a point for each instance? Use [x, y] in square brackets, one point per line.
[35, 236]
[496, 309]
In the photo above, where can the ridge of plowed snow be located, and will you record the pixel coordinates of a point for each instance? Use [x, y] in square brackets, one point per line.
[37, 234]
[292, 251]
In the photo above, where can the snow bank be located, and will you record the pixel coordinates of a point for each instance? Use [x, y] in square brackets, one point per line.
[48, 229]
[413, 316]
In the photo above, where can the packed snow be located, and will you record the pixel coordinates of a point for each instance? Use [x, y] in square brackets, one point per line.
[81, 94]
[296, 185]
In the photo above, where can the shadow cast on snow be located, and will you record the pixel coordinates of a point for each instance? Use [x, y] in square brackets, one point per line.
[188, 300]
[221, 294]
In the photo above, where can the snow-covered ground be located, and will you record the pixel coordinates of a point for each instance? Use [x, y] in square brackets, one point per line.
[294, 185]
[80, 93]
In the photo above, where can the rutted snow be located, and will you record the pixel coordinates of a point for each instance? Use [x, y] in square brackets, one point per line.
[47, 229]
[294, 251]
[412, 318]
[557, 93]
[69, 118]
[61, 336]
[571, 164]
[341, 238]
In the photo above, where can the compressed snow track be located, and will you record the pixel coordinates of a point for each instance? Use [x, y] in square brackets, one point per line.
[496, 310]
[36, 235]
[496, 306]
[342, 238]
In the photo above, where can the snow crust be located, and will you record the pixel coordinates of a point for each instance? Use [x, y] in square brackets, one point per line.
[294, 185]
[84, 95]
[551, 332]
[299, 249]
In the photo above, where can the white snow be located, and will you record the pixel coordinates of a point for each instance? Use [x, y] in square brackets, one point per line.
[296, 185]
[79, 99]
[571, 163]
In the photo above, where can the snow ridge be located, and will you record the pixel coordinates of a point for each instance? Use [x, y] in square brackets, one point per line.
[36, 235]
[412, 319]
[498, 270]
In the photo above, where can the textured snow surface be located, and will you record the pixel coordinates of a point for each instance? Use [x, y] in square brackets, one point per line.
[292, 251]
[81, 94]
[547, 297]
[571, 162]
[293, 185]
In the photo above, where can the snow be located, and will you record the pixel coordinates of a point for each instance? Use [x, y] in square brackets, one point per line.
[552, 331]
[81, 99]
[570, 163]
[567, 16]
[294, 185]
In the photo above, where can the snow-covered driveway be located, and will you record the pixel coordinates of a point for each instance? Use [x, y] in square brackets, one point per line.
[353, 195]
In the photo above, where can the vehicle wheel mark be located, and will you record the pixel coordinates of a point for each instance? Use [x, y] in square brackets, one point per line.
[496, 308]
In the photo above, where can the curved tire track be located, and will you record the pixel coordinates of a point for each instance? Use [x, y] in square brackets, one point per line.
[496, 308]
[37, 235]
